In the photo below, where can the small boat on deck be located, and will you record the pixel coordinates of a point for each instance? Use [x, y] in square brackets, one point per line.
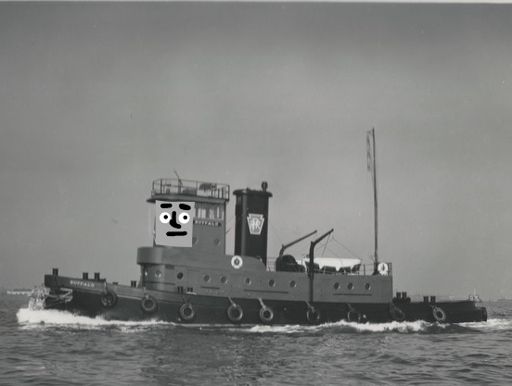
[187, 277]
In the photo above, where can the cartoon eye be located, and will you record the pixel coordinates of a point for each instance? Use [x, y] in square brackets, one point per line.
[164, 217]
[183, 218]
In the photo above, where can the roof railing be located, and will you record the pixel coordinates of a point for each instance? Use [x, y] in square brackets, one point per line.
[163, 186]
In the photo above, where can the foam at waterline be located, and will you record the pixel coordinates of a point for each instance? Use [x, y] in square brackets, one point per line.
[401, 327]
[29, 318]
[491, 324]
[35, 318]
[405, 327]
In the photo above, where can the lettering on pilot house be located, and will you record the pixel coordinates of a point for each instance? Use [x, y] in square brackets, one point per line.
[80, 283]
[255, 223]
[174, 223]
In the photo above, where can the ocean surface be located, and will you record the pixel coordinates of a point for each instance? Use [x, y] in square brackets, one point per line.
[42, 347]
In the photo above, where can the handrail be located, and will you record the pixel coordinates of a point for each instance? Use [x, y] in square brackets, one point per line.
[357, 270]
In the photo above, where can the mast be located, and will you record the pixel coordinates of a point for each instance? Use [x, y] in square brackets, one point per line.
[311, 264]
[372, 167]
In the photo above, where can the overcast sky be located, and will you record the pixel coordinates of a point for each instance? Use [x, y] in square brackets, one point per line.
[97, 100]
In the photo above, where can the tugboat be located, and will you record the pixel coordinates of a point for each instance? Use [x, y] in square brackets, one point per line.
[186, 276]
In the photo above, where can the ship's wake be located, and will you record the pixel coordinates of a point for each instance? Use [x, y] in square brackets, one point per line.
[419, 326]
[39, 318]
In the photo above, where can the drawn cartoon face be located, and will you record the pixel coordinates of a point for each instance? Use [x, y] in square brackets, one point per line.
[174, 223]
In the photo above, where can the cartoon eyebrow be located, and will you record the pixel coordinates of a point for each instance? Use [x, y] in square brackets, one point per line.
[166, 205]
[185, 207]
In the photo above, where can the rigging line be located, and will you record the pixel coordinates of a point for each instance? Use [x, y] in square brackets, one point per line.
[347, 248]
[334, 253]
[325, 244]
[228, 222]
[230, 219]
[325, 247]
[276, 233]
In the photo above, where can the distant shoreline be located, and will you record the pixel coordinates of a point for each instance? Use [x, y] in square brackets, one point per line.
[19, 291]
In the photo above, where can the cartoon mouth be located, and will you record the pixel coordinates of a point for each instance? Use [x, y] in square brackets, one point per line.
[181, 233]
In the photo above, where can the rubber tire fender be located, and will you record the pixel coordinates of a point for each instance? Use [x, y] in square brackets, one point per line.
[187, 312]
[313, 315]
[353, 316]
[235, 313]
[439, 314]
[108, 299]
[396, 313]
[148, 304]
[266, 314]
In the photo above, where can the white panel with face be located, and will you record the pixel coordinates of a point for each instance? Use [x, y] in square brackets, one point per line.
[174, 220]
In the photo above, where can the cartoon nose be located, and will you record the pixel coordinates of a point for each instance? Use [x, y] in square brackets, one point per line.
[173, 221]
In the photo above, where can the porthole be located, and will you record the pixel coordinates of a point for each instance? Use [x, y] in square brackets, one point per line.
[216, 242]
[271, 283]
[223, 279]
[293, 284]
[145, 272]
[367, 286]
[336, 285]
[180, 275]
[158, 274]
[206, 278]
[248, 281]
[350, 286]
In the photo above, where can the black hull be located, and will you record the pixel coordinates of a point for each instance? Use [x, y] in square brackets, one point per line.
[116, 302]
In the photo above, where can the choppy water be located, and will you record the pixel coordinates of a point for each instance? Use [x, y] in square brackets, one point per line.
[56, 348]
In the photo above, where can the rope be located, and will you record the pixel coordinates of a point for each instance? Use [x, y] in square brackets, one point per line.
[346, 248]
[275, 234]
[228, 222]
[325, 244]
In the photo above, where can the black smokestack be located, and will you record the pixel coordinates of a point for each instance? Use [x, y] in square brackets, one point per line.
[251, 213]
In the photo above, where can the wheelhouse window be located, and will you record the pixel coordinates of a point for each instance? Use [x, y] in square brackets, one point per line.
[209, 211]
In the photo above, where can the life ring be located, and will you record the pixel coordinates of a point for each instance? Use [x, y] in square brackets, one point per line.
[187, 312]
[235, 313]
[383, 268]
[266, 314]
[108, 299]
[396, 313]
[148, 304]
[237, 262]
[353, 316]
[439, 314]
[313, 315]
